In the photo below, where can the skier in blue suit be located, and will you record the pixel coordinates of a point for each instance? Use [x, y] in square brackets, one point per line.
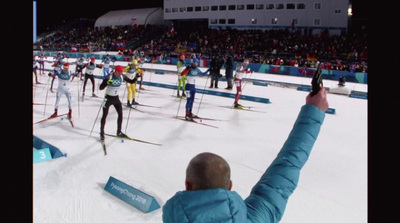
[190, 88]
[208, 196]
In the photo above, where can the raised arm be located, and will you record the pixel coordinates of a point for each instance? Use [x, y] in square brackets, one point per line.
[269, 197]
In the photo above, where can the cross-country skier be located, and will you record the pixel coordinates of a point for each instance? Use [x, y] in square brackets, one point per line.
[180, 66]
[131, 71]
[42, 57]
[89, 74]
[106, 66]
[57, 70]
[35, 62]
[63, 88]
[240, 72]
[191, 72]
[80, 64]
[113, 81]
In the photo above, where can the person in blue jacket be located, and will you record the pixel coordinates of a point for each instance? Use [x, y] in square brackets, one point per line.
[190, 88]
[208, 196]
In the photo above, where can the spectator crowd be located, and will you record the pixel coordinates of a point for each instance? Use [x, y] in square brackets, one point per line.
[289, 47]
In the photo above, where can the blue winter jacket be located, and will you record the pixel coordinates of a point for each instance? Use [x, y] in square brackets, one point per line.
[268, 198]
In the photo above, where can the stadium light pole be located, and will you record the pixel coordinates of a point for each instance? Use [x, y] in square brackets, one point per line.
[34, 23]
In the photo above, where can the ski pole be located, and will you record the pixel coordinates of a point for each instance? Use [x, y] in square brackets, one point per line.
[102, 104]
[204, 89]
[129, 114]
[178, 88]
[79, 109]
[177, 112]
[45, 102]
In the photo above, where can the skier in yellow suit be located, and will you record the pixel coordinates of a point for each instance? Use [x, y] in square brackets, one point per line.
[131, 71]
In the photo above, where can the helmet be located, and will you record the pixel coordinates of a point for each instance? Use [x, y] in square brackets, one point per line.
[119, 69]
[134, 62]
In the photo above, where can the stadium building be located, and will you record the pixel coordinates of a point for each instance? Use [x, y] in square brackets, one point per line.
[311, 16]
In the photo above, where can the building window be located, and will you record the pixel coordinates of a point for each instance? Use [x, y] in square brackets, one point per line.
[280, 6]
[301, 6]
[231, 21]
[290, 6]
[274, 21]
[317, 6]
[182, 9]
[206, 8]
[222, 21]
[214, 8]
[250, 7]
[231, 7]
[269, 6]
[167, 10]
[197, 8]
[259, 6]
[222, 7]
[317, 22]
[253, 21]
[174, 9]
[189, 9]
[213, 21]
[240, 7]
[338, 11]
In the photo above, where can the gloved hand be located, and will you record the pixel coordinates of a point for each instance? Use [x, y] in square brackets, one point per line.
[110, 81]
[138, 75]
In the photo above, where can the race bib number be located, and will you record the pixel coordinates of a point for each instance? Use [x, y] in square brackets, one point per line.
[187, 93]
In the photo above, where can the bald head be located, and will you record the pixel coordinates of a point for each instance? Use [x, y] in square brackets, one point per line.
[208, 171]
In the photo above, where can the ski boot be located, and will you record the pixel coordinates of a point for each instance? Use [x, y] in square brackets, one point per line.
[134, 102]
[129, 104]
[121, 134]
[54, 114]
[189, 116]
[237, 105]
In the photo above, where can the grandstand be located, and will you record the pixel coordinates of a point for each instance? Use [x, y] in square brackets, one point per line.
[192, 29]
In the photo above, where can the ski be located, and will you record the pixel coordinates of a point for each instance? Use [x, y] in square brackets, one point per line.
[133, 139]
[141, 105]
[46, 119]
[203, 118]
[244, 108]
[194, 121]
